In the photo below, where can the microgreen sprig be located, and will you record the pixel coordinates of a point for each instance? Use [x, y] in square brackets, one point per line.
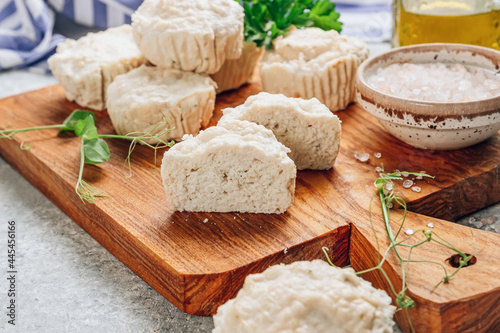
[94, 150]
[385, 190]
[265, 20]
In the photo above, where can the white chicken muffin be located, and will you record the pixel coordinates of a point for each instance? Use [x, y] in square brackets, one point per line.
[139, 101]
[311, 63]
[87, 66]
[307, 127]
[306, 296]
[235, 73]
[195, 35]
[236, 166]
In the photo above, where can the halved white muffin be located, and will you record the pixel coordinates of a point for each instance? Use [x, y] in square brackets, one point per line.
[139, 100]
[195, 35]
[311, 63]
[236, 166]
[306, 296]
[236, 72]
[307, 127]
[86, 67]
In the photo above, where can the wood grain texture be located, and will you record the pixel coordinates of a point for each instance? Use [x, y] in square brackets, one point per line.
[198, 266]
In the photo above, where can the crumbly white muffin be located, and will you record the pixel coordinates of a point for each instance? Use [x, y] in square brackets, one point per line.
[87, 66]
[307, 127]
[195, 35]
[311, 63]
[235, 73]
[139, 100]
[236, 166]
[306, 296]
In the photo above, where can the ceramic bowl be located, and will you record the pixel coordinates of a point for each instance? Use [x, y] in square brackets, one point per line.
[432, 125]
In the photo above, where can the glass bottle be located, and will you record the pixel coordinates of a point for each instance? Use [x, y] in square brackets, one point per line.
[448, 21]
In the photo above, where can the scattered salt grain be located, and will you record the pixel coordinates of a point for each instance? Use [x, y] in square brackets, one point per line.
[389, 186]
[436, 82]
[496, 226]
[390, 205]
[285, 250]
[362, 157]
[234, 217]
[478, 224]
[379, 169]
[416, 188]
[397, 173]
[488, 220]
[472, 220]
[430, 224]
[377, 155]
[408, 231]
[205, 220]
[407, 183]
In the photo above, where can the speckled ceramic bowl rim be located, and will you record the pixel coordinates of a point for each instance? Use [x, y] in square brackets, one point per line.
[423, 108]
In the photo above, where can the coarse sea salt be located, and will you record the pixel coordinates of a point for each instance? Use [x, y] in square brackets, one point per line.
[436, 82]
[362, 157]
[407, 183]
[408, 231]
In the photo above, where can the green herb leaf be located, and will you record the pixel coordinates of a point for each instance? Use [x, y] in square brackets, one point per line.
[95, 151]
[70, 122]
[85, 128]
[265, 20]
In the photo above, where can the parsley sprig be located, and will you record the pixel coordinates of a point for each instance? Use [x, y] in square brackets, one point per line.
[265, 20]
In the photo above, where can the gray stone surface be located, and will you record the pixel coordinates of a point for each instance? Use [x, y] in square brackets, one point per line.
[66, 281]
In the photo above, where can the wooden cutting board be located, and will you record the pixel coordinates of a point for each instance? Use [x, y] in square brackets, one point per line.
[199, 260]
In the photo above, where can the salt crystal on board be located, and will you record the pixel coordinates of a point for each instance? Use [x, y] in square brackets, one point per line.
[285, 250]
[478, 224]
[408, 231]
[205, 220]
[389, 186]
[379, 169]
[472, 220]
[390, 205]
[430, 224]
[416, 188]
[407, 183]
[397, 173]
[362, 157]
[377, 155]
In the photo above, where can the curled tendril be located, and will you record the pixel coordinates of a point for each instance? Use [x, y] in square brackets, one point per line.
[387, 200]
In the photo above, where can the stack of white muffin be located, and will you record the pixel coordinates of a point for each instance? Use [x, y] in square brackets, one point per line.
[163, 66]
[164, 60]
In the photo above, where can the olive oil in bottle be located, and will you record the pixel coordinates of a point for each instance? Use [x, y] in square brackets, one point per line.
[447, 21]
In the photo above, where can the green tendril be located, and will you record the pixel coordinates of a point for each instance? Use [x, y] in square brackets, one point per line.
[387, 200]
[94, 150]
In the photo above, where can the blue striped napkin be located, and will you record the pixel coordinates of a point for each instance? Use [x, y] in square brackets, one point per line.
[26, 26]
[370, 20]
[97, 13]
[26, 33]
